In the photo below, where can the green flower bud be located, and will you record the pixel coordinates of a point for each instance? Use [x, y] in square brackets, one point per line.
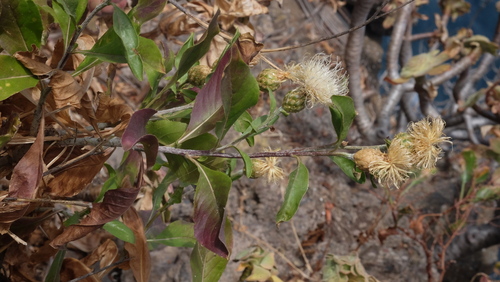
[295, 100]
[270, 79]
[198, 74]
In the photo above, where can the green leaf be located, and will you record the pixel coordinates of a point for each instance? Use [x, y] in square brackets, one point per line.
[110, 184]
[185, 170]
[55, 268]
[210, 198]
[124, 28]
[64, 20]
[20, 25]
[177, 234]
[14, 77]
[166, 131]
[247, 161]
[196, 52]
[120, 231]
[239, 91]
[74, 8]
[152, 60]
[296, 189]
[205, 265]
[343, 114]
[349, 168]
[467, 174]
[108, 48]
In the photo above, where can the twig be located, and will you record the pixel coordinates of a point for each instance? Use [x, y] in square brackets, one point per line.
[73, 161]
[354, 49]
[397, 36]
[16, 238]
[289, 262]
[49, 201]
[308, 265]
[78, 31]
[338, 34]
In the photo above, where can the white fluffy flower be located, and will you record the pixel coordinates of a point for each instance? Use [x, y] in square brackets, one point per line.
[319, 79]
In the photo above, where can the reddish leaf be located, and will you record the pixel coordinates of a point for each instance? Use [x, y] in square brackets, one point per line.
[25, 179]
[114, 204]
[136, 133]
[208, 109]
[209, 217]
[140, 259]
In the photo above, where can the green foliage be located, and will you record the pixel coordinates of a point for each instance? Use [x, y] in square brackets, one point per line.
[296, 189]
[120, 231]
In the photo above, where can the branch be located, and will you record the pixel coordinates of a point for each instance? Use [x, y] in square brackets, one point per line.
[354, 49]
[354, 28]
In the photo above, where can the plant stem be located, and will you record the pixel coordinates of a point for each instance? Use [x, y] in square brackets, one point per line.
[270, 120]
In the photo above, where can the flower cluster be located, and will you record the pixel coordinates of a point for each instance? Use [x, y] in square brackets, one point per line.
[269, 167]
[319, 80]
[413, 150]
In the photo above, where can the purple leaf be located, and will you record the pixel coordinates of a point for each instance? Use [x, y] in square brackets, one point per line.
[136, 133]
[209, 217]
[207, 109]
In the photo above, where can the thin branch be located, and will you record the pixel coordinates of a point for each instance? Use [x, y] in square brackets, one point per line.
[287, 260]
[338, 34]
[353, 53]
[79, 31]
[308, 265]
[400, 27]
[49, 201]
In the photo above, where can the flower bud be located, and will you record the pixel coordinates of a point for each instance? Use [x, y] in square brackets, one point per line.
[363, 158]
[270, 79]
[295, 100]
[198, 74]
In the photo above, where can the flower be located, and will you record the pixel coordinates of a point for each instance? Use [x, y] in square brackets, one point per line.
[267, 166]
[319, 80]
[396, 165]
[424, 137]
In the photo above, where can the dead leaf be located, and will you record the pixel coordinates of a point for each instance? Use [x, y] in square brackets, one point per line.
[249, 48]
[246, 8]
[24, 182]
[109, 110]
[106, 254]
[32, 62]
[73, 268]
[114, 204]
[73, 179]
[66, 91]
[140, 259]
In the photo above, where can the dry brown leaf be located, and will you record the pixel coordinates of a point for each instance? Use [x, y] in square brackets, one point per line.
[106, 254]
[75, 178]
[32, 62]
[84, 42]
[115, 203]
[66, 91]
[73, 268]
[140, 259]
[24, 182]
[246, 8]
[248, 47]
[113, 111]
